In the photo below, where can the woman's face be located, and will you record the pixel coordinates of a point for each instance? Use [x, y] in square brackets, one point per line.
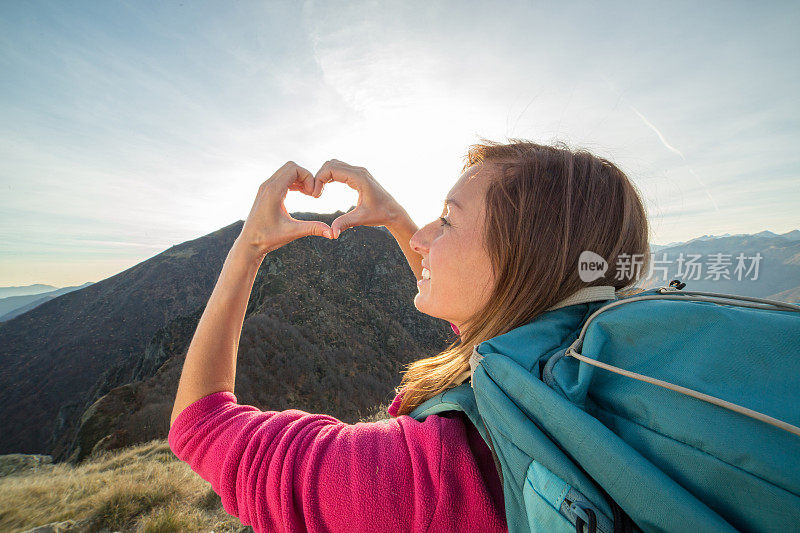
[452, 250]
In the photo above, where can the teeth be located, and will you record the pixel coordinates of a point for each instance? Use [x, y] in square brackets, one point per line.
[426, 274]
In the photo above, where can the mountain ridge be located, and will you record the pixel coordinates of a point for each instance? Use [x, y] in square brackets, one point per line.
[12, 306]
[98, 368]
[91, 330]
[25, 290]
[793, 235]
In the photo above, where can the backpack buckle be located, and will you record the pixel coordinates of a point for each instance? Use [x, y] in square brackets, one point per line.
[677, 284]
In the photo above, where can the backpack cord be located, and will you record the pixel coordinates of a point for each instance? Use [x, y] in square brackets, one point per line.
[688, 392]
[622, 522]
[667, 293]
[591, 525]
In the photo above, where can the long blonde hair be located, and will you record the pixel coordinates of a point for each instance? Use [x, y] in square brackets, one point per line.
[544, 206]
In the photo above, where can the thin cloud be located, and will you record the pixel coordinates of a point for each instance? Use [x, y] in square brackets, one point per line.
[666, 144]
[678, 152]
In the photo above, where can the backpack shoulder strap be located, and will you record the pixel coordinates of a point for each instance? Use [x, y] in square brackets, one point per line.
[460, 398]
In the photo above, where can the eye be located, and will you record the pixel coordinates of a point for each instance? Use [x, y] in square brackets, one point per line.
[445, 222]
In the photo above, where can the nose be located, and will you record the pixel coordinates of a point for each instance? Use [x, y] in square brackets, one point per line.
[420, 241]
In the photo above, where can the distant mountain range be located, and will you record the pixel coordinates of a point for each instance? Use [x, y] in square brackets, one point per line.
[329, 327]
[38, 288]
[12, 306]
[793, 235]
[765, 265]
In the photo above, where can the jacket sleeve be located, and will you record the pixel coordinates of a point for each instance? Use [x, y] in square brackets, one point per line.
[295, 471]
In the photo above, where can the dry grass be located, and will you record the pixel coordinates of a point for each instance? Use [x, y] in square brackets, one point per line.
[143, 488]
[377, 414]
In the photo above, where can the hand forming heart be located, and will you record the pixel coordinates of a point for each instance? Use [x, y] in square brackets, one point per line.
[269, 226]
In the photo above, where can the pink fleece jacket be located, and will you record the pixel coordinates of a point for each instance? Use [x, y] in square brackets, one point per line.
[295, 471]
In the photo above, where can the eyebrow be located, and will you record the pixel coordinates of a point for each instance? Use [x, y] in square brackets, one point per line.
[452, 201]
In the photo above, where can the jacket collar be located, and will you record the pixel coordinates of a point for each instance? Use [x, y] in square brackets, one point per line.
[583, 295]
[587, 294]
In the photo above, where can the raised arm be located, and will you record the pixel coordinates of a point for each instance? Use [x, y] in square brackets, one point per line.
[210, 364]
[402, 230]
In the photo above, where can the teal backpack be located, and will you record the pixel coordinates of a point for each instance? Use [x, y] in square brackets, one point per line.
[666, 410]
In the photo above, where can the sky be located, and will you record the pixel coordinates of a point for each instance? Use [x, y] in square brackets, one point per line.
[129, 127]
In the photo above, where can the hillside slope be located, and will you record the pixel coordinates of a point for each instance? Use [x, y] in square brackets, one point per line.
[57, 359]
[328, 327]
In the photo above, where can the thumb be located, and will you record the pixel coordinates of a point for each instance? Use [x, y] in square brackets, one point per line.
[348, 220]
[317, 228]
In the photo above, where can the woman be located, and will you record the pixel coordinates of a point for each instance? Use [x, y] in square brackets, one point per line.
[504, 251]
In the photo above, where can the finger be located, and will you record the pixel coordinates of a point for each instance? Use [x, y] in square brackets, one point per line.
[318, 186]
[335, 170]
[307, 179]
[348, 220]
[296, 178]
[316, 228]
[319, 183]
